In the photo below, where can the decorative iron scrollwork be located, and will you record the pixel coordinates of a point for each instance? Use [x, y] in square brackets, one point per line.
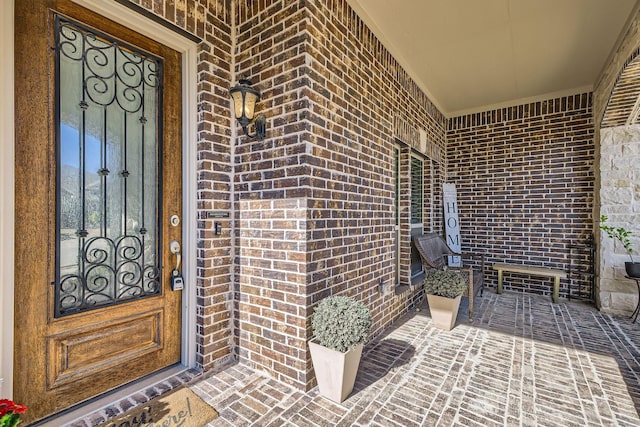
[112, 72]
[108, 97]
[109, 262]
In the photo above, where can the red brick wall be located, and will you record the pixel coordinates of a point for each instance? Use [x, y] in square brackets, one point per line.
[333, 97]
[358, 94]
[211, 21]
[271, 186]
[272, 272]
[525, 184]
[312, 206]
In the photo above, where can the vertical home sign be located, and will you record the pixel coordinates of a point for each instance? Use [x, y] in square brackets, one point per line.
[451, 222]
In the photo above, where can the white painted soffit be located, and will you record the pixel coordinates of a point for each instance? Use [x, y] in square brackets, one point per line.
[476, 55]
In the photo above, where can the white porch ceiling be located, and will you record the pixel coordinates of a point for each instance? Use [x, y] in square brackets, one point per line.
[475, 55]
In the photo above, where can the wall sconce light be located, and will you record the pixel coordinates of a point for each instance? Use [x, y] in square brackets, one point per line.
[244, 103]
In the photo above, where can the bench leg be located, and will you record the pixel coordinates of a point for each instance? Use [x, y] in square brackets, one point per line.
[556, 289]
[499, 281]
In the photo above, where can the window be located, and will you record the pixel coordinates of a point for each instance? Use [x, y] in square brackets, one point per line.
[396, 153]
[417, 206]
[417, 191]
[412, 175]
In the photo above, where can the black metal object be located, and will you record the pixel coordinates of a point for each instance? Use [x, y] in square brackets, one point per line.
[114, 263]
[581, 272]
[260, 121]
[112, 272]
[636, 311]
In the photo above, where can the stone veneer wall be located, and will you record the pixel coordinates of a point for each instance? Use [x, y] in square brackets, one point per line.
[336, 103]
[618, 181]
[620, 201]
[525, 182]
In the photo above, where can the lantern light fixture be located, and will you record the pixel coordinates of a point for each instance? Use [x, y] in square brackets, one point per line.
[244, 102]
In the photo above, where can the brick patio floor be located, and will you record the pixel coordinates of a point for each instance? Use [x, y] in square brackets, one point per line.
[523, 362]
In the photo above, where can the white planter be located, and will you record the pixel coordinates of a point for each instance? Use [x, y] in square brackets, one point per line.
[443, 311]
[335, 371]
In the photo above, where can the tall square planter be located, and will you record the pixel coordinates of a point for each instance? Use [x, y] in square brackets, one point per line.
[444, 311]
[335, 371]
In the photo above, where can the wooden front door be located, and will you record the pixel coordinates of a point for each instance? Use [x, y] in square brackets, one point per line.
[98, 175]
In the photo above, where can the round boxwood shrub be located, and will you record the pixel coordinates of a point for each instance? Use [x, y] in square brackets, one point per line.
[341, 323]
[445, 283]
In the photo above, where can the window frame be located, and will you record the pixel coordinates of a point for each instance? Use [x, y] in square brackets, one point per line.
[407, 263]
[397, 234]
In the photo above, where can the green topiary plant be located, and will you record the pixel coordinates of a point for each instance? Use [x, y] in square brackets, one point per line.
[445, 283]
[341, 323]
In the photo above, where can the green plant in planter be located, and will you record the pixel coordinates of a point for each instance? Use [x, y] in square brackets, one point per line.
[445, 283]
[341, 323]
[617, 233]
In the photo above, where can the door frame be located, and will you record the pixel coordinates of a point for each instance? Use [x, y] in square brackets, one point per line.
[189, 49]
[7, 184]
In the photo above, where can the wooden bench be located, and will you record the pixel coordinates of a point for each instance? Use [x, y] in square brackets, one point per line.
[533, 271]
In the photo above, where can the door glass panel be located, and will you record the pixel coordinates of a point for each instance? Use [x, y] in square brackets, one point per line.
[417, 198]
[396, 171]
[108, 130]
[417, 191]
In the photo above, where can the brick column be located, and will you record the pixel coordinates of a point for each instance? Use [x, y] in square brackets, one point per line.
[272, 304]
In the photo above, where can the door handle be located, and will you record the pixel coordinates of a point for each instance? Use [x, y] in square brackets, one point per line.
[174, 247]
[177, 282]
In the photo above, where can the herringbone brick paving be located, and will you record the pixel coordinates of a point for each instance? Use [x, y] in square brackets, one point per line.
[523, 362]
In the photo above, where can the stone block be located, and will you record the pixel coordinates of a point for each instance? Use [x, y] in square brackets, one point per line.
[624, 135]
[605, 300]
[615, 196]
[636, 194]
[623, 303]
[617, 285]
[631, 150]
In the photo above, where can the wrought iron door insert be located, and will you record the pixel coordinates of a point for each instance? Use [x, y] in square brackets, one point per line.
[108, 124]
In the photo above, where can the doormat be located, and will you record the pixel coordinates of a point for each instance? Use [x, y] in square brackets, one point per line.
[181, 408]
